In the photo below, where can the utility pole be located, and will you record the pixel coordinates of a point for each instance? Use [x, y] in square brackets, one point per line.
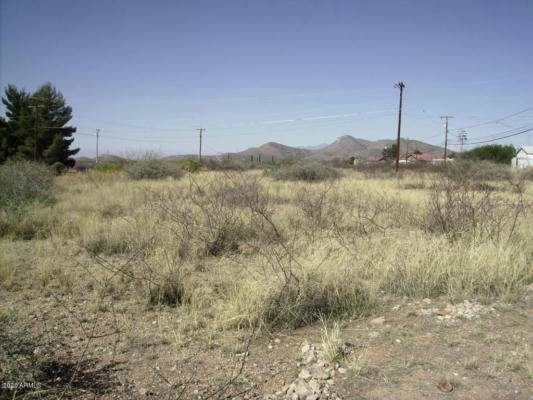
[462, 138]
[446, 138]
[97, 135]
[200, 150]
[399, 85]
[35, 130]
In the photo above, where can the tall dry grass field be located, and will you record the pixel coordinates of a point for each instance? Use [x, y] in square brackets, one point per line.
[218, 254]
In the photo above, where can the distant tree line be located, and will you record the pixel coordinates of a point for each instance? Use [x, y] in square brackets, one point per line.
[495, 152]
[35, 127]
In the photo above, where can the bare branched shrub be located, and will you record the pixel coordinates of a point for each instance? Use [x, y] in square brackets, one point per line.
[209, 220]
[459, 207]
[361, 215]
[310, 172]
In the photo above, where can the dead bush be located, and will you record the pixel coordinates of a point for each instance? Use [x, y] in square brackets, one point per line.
[463, 207]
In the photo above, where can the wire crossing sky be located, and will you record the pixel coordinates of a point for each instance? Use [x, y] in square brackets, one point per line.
[149, 73]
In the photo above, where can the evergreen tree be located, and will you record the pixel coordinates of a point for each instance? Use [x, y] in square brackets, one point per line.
[37, 125]
[3, 136]
[389, 152]
[11, 136]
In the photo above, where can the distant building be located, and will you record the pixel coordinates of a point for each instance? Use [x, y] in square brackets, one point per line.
[524, 158]
[424, 158]
[376, 158]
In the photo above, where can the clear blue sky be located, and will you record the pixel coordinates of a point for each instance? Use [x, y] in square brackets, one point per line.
[148, 73]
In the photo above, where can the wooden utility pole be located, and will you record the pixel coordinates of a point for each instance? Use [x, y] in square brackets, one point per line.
[97, 135]
[35, 130]
[462, 139]
[399, 85]
[446, 138]
[200, 149]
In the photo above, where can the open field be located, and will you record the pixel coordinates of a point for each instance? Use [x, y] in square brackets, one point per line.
[208, 286]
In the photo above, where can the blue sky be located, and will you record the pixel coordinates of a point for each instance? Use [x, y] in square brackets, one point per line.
[148, 73]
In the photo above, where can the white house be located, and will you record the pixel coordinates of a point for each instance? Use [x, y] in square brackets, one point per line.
[524, 158]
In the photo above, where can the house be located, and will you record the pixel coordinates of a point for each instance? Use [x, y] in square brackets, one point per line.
[523, 158]
[376, 159]
[425, 158]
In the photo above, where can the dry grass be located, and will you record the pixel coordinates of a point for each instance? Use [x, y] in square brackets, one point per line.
[235, 250]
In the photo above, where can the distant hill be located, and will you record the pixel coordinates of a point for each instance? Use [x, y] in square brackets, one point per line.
[269, 150]
[86, 162]
[343, 147]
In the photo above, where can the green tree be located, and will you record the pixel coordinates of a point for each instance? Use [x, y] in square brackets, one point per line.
[495, 152]
[389, 151]
[11, 136]
[38, 125]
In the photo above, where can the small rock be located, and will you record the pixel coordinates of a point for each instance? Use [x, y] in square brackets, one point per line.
[398, 341]
[373, 334]
[426, 300]
[378, 321]
[302, 388]
[270, 347]
[444, 385]
[277, 341]
[342, 370]
[304, 374]
[319, 372]
[314, 385]
[306, 347]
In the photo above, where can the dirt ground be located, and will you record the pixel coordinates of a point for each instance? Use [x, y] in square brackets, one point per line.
[405, 350]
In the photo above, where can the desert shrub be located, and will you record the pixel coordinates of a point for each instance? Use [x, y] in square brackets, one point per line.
[462, 170]
[461, 207]
[152, 169]
[169, 291]
[296, 303]
[58, 167]
[526, 174]
[188, 164]
[311, 172]
[24, 182]
[228, 165]
[108, 166]
[207, 220]
[16, 355]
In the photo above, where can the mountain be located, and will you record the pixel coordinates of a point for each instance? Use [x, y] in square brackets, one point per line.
[86, 162]
[344, 146]
[317, 147]
[347, 146]
[406, 146]
[269, 150]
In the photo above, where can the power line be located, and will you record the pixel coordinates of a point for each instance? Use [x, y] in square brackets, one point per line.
[496, 120]
[499, 138]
